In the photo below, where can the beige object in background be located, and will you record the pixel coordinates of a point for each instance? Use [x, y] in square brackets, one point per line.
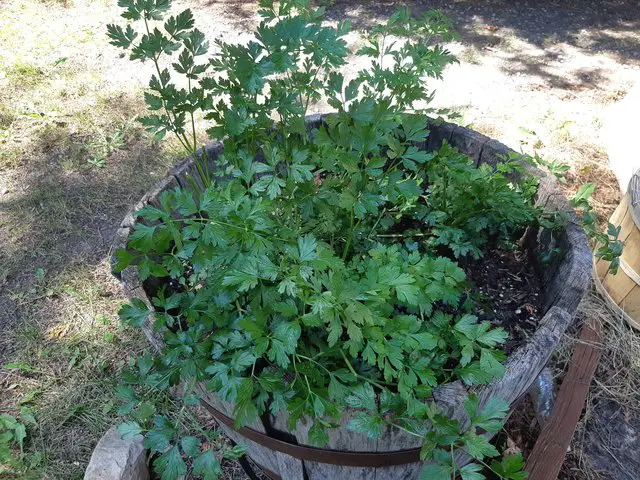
[621, 129]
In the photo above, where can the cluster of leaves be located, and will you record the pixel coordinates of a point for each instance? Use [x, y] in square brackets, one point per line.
[180, 446]
[13, 432]
[607, 245]
[319, 270]
[446, 436]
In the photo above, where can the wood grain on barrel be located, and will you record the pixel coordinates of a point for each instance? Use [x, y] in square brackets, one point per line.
[469, 142]
[622, 290]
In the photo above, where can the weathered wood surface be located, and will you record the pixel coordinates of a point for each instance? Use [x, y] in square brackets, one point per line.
[439, 132]
[548, 454]
[566, 281]
[392, 439]
[261, 455]
[470, 142]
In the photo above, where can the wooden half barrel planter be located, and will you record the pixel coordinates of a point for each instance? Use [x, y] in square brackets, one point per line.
[622, 290]
[395, 455]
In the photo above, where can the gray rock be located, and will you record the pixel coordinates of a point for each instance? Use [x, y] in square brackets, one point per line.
[117, 459]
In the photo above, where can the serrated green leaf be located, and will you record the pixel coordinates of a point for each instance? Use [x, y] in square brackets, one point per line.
[472, 471]
[478, 446]
[170, 464]
[245, 410]
[26, 414]
[19, 434]
[128, 430]
[119, 37]
[363, 397]
[436, 472]
[408, 293]
[584, 193]
[207, 466]
[367, 423]
[235, 452]
[160, 436]
[288, 333]
[493, 337]
[145, 411]
[134, 313]
[307, 248]
[318, 435]
[510, 467]
[181, 22]
[190, 445]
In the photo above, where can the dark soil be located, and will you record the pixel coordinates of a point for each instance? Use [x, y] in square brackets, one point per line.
[507, 293]
[613, 441]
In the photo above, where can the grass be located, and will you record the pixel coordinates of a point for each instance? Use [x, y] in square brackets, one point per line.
[471, 55]
[64, 358]
[72, 161]
[26, 74]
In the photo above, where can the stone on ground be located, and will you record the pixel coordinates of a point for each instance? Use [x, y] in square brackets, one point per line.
[117, 459]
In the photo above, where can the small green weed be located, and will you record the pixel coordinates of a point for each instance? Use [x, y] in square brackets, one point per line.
[14, 462]
[104, 144]
[25, 74]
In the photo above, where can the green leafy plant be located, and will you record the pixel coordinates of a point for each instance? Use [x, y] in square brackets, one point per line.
[172, 434]
[13, 432]
[607, 244]
[319, 269]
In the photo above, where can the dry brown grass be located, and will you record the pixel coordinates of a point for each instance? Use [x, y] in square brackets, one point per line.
[616, 386]
[61, 344]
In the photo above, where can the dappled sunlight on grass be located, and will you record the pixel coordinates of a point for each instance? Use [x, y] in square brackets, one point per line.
[64, 360]
[73, 159]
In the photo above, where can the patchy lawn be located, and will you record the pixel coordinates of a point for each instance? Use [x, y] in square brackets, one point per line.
[73, 159]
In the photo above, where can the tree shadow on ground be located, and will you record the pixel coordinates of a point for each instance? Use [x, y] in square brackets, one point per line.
[544, 32]
[58, 215]
[529, 36]
[58, 301]
[599, 26]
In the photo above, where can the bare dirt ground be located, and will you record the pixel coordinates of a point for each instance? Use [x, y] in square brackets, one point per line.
[538, 76]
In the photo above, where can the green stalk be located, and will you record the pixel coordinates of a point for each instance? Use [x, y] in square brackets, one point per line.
[349, 237]
[356, 374]
[184, 142]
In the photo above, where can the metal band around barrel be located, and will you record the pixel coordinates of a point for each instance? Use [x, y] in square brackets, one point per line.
[321, 455]
[631, 273]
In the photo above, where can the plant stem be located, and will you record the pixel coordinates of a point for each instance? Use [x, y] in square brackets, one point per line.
[183, 141]
[404, 429]
[352, 370]
[384, 210]
[313, 361]
[453, 464]
[445, 180]
[402, 235]
[349, 237]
